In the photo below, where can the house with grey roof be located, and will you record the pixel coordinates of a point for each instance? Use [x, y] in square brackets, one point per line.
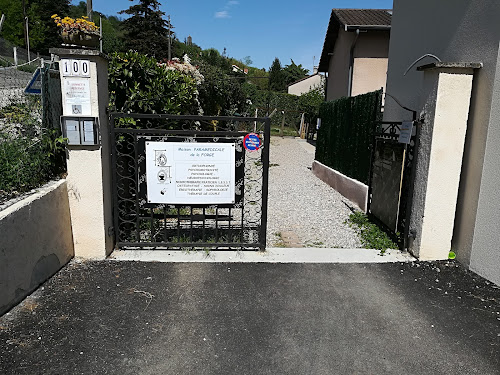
[355, 51]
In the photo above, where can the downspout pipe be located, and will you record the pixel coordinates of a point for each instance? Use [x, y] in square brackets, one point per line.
[351, 63]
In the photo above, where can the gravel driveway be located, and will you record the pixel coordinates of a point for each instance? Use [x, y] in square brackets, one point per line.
[303, 210]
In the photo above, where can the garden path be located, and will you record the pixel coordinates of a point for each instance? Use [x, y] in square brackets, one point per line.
[303, 210]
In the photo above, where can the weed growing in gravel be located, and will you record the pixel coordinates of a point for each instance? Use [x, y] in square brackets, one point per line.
[314, 244]
[280, 242]
[370, 234]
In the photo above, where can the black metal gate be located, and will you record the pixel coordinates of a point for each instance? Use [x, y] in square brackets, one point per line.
[142, 224]
[394, 191]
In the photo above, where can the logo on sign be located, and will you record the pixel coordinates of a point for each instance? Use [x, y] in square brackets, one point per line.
[251, 142]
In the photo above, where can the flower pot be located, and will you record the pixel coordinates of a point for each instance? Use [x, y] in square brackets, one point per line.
[79, 38]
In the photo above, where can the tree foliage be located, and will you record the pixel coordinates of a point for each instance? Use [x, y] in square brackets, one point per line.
[220, 94]
[276, 77]
[42, 30]
[294, 72]
[146, 31]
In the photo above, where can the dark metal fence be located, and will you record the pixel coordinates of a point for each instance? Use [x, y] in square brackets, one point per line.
[141, 224]
[392, 190]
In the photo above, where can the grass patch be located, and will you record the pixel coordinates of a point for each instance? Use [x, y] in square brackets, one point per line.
[370, 234]
[287, 132]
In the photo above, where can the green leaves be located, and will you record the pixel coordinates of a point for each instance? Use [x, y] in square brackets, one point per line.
[137, 83]
[371, 236]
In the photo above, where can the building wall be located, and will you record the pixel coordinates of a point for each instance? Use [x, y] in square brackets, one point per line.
[305, 85]
[338, 71]
[36, 242]
[468, 31]
[369, 74]
[370, 63]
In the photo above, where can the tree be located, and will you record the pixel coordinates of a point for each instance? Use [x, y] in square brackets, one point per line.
[220, 95]
[43, 32]
[276, 77]
[12, 29]
[146, 31]
[48, 32]
[294, 72]
[247, 60]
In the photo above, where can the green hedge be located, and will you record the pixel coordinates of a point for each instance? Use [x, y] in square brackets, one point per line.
[345, 136]
[293, 105]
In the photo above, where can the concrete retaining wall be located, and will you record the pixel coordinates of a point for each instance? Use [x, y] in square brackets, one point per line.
[355, 191]
[35, 242]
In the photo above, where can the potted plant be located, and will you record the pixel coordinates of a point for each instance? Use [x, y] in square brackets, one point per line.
[79, 32]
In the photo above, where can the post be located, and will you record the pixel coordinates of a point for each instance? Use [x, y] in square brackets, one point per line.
[89, 9]
[15, 55]
[2, 19]
[447, 91]
[282, 130]
[89, 165]
[255, 122]
[27, 38]
[169, 41]
[100, 33]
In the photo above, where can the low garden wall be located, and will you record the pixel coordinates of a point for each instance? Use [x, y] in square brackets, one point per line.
[355, 191]
[35, 242]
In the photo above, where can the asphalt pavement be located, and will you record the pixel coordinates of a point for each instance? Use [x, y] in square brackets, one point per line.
[117, 317]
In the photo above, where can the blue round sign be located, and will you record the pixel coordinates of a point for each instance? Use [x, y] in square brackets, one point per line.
[251, 142]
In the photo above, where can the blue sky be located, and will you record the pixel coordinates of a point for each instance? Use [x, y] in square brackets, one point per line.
[260, 29]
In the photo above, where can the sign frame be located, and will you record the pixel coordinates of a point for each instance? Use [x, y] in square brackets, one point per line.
[190, 174]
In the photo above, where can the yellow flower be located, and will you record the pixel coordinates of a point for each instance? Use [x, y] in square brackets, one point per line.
[54, 16]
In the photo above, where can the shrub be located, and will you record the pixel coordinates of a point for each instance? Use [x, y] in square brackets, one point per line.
[139, 84]
[29, 155]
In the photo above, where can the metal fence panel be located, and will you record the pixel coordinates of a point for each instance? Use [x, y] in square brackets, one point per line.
[139, 224]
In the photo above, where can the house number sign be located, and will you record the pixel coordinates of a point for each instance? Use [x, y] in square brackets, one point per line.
[190, 173]
[76, 87]
[75, 68]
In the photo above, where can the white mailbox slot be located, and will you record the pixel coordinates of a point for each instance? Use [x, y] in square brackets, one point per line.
[80, 130]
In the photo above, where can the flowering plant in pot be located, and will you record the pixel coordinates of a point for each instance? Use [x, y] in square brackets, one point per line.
[80, 31]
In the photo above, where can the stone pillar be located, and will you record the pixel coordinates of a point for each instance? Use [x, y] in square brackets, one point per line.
[89, 172]
[446, 97]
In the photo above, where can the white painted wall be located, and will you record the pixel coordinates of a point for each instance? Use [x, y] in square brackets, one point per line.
[305, 85]
[465, 31]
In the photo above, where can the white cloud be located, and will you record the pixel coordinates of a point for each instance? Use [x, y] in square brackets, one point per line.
[225, 13]
[222, 14]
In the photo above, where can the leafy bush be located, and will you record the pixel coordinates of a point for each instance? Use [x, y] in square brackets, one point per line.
[29, 155]
[220, 95]
[139, 84]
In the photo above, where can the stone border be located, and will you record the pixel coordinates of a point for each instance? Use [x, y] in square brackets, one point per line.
[352, 189]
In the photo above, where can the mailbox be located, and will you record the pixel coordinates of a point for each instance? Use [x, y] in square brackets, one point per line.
[80, 130]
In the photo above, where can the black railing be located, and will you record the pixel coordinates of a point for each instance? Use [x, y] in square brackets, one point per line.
[142, 224]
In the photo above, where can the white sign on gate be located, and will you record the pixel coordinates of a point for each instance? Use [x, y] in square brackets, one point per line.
[190, 173]
[406, 131]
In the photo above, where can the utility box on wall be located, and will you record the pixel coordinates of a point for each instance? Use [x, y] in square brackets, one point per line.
[80, 130]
